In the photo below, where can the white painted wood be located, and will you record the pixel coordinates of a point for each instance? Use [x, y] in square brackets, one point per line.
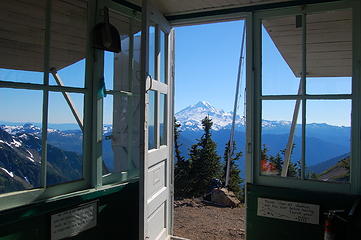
[155, 187]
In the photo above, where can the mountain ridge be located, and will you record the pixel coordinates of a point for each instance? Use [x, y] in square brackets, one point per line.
[191, 117]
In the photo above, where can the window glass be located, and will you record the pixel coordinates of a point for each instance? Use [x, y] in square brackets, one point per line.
[281, 56]
[151, 56]
[326, 153]
[22, 41]
[152, 138]
[117, 64]
[65, 138]
[328, 142]
[20, 139]
[329, 52]
[163, 47]
[108, 155]
[109, 70]
[163, 119]
[120, 111]
[277, 138]
[68, 43]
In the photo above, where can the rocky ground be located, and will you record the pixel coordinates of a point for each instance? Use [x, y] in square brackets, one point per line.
[198, 220]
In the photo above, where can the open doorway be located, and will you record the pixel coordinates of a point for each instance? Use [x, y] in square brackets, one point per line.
[207, 57]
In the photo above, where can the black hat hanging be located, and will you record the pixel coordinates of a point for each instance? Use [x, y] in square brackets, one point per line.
[106, 36]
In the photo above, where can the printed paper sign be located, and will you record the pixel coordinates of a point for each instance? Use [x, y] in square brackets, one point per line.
[292, 211]
[74, 221]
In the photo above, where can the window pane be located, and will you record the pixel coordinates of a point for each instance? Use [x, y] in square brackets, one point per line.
[65, 139]
[163, 48]
[136, 52]
[108, 156]
[20, 139]
[109, 70]
[116, 64]
[120, 112]
[116, 145]
[281, 56]
[152, 113]
[277, 118]
[163, 119]
[329, 52]
[68, 42]
[151, 56]
[328, 142]
[22, 40]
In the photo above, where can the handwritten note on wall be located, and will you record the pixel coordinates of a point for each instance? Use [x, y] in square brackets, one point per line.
[292, 211]
[71, 222]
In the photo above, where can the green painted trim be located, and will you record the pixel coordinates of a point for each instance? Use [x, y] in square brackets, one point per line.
[52, 205]
[260, 228]
[356, 101]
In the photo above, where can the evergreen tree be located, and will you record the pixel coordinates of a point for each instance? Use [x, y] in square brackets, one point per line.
[204, 161]
[235, 179]
[182, 186]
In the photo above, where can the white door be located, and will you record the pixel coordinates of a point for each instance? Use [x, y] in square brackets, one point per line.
[156, 165]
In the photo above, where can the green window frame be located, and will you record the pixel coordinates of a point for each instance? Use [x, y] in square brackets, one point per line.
[255, 97]
[92, 179]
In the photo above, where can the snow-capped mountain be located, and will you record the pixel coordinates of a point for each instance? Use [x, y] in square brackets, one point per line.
[20, 160]
[191, 117]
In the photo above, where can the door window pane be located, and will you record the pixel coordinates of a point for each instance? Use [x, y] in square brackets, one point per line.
[328, 141]
[163, 52]
[163, 119]
[277, 118]
[151, 56]
[281, 56]
[152, 113]
[20, 139]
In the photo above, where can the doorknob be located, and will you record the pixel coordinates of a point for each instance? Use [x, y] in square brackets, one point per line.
[149, 77]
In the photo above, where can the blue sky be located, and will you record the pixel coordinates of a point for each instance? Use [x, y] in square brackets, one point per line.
[206, 69]
[206, 64]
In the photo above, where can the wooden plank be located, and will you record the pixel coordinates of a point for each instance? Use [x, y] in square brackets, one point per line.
[179, 7]
[312, 37]
[25, 7]
[15, 18]
[282, 29]
[344, 14]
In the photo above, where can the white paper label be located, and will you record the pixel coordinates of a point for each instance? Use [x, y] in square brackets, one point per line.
[74, 221]
[292, 211]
